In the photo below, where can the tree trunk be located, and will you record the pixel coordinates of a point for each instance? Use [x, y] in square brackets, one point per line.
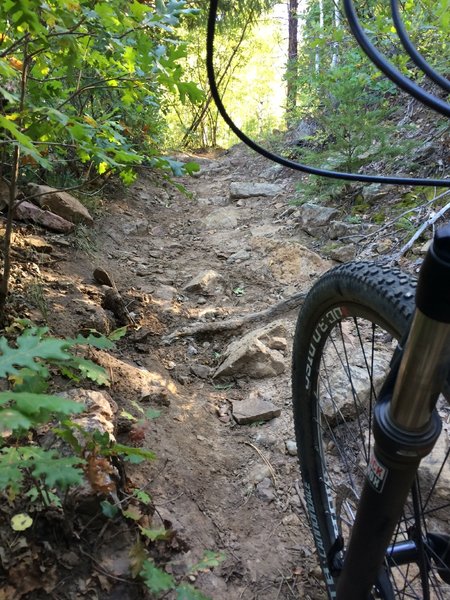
[321, 22]
[292, 61]
[337, 25]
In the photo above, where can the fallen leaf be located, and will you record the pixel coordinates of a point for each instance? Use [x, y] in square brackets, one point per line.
[21, 521]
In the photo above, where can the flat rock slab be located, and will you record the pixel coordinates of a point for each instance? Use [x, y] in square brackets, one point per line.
[250, 190]
[253, 410]
[26, 211]
[222, 218]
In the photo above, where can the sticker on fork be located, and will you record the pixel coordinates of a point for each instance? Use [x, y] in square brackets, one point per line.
[376, 473]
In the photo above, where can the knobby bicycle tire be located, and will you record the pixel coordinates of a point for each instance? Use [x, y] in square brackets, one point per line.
[346, 334]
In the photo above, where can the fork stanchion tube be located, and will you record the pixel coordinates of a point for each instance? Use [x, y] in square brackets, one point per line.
[406, 426]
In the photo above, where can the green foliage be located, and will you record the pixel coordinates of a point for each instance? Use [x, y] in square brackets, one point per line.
[28, 363]
[355, 110]
[84, 83]
[156, 579]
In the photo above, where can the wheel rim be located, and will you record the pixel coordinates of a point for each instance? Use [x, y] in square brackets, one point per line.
[348, 374]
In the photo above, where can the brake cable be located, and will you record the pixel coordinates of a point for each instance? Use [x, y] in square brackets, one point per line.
[369, 49]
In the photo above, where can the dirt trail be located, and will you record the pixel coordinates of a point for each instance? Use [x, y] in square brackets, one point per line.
[221, 486]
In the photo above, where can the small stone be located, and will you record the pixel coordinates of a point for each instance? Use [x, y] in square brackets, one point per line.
[253, 410]
[264, 490]
[205, 283]
[191, 350]
[291, 447]
[384, 246]
[291, 520]
[257, 473]
[201, 371]
[201, 300]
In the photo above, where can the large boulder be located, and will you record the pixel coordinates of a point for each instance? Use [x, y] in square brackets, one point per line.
[60, 203]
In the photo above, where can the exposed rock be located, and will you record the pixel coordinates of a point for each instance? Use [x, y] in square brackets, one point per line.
[303, 132]
[253, 355]
[214, 201]
[384, 246]
[26, 211]
[257, 473]
[340, 252]
[291, 447]
[313, 216]
[95, 317]
[342, 401]
[100, 410]
[165, 292]
[239, 256]
[374, 192]
[265, 491]
[205, 283]
[60, 203]
[39, 244]
[431, 464]
[340, 229]
[290, 262]
[254, 409]
[273, 172]
[250, 190]
[135, 227]
[222, 218]
[155, 394]
[201, 371]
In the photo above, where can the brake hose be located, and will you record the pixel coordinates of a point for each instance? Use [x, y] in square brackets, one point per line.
[285, 161]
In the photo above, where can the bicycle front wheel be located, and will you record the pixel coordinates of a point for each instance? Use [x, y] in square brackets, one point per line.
[347, 333]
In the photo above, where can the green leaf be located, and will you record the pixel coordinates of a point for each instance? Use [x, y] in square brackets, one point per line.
[90, 370]
[191, 167]
[55, 471]
[25, 141]
[152, 413]
[94, 339]
[187, 592]
[30, 348]
[108, 509]
[27, 380]
[13, 420]
[209, 560]
[11, 463]
[156, 579]
[117, 334]
[34, 405]
[21, 521]
[142, 496]
[154, 534]
[130, 451]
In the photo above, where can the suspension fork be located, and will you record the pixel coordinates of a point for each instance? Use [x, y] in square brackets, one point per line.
[406, 426]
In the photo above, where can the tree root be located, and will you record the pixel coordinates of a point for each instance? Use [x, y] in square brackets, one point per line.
[236, 323]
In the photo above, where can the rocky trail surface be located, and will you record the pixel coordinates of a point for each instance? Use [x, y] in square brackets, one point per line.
[176, 267]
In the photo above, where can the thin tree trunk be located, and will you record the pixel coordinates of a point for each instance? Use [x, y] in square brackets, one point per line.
[337, 25]
[292, 61]
[4, 280]
[321, 22]
[204, 108]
